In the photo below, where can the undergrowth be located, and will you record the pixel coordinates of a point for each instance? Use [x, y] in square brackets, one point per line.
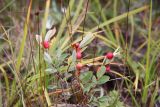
[79, 53]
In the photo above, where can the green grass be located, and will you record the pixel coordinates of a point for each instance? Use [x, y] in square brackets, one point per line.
[147, 71]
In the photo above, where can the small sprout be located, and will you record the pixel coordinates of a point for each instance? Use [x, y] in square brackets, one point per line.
[79, 55]
[79, 66]
[46, 44]
[108, 68]
[109, 55]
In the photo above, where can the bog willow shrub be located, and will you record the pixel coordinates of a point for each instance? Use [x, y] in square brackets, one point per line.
[89, 83]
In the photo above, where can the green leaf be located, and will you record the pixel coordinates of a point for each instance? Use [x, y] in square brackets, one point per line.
[74, 56]
[47, 58]
[103, 79]
[94, 80]
[113, 99]
[67, 75]
[101, 72]
[103, 99]
[86, 40]
[50, 34]
[59, 53]
[86, 76]
[88, 87]
[51, 87]
[51, 70]
[64, 56]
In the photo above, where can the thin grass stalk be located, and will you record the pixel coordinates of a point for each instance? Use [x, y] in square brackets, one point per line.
[43, 31]
[21, 51]
[120, 17]
[62, 26]
[145, 91]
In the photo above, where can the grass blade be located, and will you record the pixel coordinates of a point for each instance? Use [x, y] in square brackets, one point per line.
[120, 17]
[144, 96]
[23, 39]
